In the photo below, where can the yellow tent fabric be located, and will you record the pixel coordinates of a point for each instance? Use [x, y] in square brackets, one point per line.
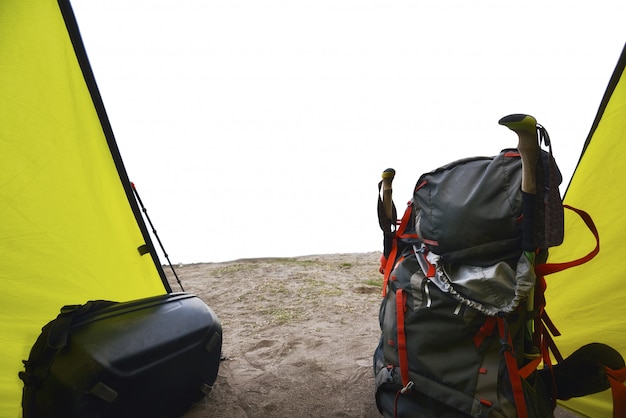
[587, 302]
[70, 228]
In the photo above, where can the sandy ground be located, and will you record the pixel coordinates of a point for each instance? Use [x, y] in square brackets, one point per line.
[299, 334]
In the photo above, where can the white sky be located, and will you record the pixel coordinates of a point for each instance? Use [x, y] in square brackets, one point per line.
[260, 128]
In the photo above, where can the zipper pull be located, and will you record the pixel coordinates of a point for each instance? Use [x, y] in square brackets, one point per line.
[428, 269]
[408, 387]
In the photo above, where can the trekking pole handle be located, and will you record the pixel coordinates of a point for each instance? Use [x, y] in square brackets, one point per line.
[388, 176]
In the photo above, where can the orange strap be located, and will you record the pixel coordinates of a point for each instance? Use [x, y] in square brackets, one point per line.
[549, 268]
[549, 324]
[389, 265]
[528, 369]
[404, 222]
[550, 345]
[511, 365]
[544, 330]
[485, 331]
[618, 390]
[544, 327]
[403, 357]
[390, 262]
[616, 379]
[383, 263]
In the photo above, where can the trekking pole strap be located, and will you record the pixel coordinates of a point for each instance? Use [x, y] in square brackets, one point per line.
[390, 261]
[387, 219]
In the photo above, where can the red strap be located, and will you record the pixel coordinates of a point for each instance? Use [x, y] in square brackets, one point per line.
[544, 330]
[618, 390]
[390, 262]
[549, 324]
[430, 242]
[550, 345]
[485, 331]
[403, 357]
[544, 327]
[549, 268]
[512, 154]
[511, 365]
[432, 270]
[540, 290]
[419, 186]
[404, 223]
[389, 266]
[528, 369]
[619, 375]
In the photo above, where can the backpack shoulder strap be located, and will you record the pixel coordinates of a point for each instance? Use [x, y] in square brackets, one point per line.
[53, 337]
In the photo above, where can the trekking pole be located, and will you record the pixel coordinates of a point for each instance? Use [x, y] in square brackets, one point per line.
[388, 176]
[526, 128]
[145, 212]
[386, 213]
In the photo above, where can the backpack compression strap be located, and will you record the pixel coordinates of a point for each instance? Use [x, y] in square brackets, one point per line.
[511, 365]
[403, 357]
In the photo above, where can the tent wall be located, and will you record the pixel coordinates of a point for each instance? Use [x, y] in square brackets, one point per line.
[70, 227]
[587, 302]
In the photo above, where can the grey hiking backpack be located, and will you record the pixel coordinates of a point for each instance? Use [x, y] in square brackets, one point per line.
[439, 356]
[463, 325]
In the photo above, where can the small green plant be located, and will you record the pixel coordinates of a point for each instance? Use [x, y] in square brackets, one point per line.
[378, 282]
[294, 261]
[234, 268]
[283, 315]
